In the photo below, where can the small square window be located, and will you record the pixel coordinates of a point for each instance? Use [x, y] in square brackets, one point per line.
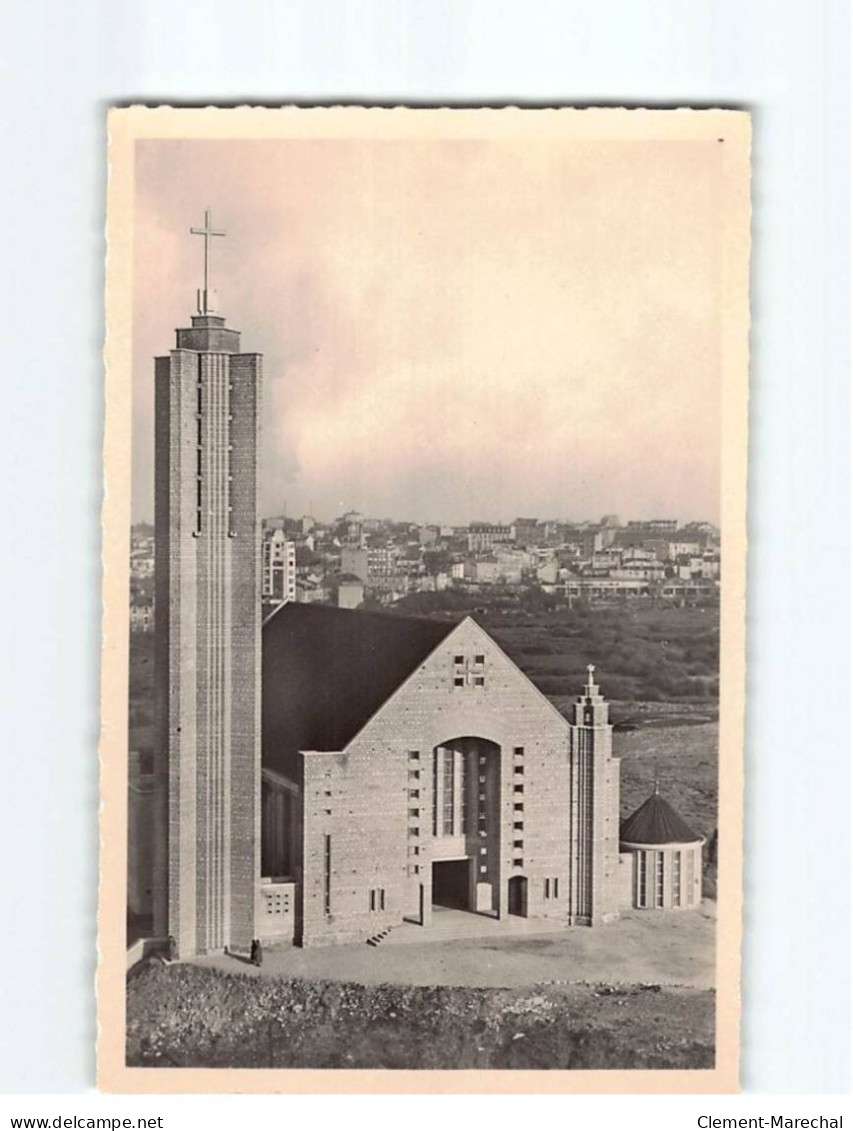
[414, 775]
[482, 759]
[518, 789]
[414, 813]
[328, 812]
[518, 807]
[414, 831]
[479, 681]
[414, 794]
[459, 681]
[518, 826]
[459, 659]
[414, 850]
[482, 779]
[483, 869]
[482, 796]
[518, 862]
[518, 751]
[414, 755]
[518, 771]
[518, 844]
[480, 659]
[327, 792]
[483, 851]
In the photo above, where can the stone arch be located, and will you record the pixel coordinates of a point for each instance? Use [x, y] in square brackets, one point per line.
[465, 819]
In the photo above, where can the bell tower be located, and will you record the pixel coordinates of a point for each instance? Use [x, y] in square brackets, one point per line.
[593, 810]
[207, 647]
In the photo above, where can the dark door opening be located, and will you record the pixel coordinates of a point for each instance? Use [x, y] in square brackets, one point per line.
[517, 902]
[450, 884]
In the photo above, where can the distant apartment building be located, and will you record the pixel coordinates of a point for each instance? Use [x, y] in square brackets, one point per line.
[350, 591]
[484, 536]
[526, 531]
[370, 564]
[354, 523]
[548, 572]
[278, 567]
[141, 553]
[589, 542]
[140, 832]
[653, 526]
[504, 567]
[141, 614]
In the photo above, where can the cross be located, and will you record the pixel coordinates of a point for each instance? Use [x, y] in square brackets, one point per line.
[207, 231]
[590, 668]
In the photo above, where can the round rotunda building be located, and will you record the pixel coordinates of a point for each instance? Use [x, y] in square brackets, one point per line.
[666, 856]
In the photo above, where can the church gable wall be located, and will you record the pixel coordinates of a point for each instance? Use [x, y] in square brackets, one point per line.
[381, 838]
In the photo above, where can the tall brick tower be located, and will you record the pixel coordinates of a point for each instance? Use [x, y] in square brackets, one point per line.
[207, 658]
[594, 811]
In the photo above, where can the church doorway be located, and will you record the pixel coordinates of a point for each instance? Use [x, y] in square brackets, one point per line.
[451, 884]
[517, 901]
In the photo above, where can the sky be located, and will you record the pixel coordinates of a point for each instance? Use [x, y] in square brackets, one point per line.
[452, 330]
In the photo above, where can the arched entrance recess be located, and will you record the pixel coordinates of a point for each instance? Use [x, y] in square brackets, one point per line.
[465, 824]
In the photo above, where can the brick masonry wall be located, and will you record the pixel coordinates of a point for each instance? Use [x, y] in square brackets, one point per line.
[207, 651]
[359, 797]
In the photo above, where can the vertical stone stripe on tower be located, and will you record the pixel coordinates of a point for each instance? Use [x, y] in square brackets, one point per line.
[214, 703]
[245, 820]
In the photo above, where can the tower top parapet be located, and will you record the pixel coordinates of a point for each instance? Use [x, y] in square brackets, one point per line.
[590, 708]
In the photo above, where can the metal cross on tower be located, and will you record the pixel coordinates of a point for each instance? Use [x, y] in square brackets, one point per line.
[207, 231]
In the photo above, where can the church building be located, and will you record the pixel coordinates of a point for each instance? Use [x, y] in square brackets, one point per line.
[335, 773]
[409, 763]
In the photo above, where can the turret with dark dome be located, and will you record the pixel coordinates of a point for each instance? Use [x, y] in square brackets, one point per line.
[667, 856]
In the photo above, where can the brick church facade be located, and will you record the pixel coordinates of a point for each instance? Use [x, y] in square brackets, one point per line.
[409, 763]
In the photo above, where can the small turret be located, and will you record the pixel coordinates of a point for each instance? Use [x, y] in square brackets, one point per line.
[590, 708]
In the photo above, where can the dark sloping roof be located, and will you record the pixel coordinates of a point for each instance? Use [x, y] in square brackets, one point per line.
[327, 671]
[656, 822]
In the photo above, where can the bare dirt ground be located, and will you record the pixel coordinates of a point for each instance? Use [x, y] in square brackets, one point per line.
[185, 1016]
[667, 948]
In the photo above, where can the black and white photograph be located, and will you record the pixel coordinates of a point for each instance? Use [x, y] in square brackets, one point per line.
[424, 695]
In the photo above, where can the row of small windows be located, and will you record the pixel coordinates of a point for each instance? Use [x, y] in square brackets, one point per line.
[518, 807]
[414, 830]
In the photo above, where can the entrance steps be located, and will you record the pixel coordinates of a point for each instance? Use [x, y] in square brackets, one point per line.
[379, 937]
[449, 926]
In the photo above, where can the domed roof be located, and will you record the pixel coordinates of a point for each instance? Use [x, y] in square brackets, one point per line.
[656, 822]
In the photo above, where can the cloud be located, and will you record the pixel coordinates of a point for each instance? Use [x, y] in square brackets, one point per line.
[451, 330]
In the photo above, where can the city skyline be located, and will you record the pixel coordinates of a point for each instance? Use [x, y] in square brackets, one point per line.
[457, 331]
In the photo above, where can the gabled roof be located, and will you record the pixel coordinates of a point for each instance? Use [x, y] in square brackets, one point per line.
[656, 822]
[327, 671]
